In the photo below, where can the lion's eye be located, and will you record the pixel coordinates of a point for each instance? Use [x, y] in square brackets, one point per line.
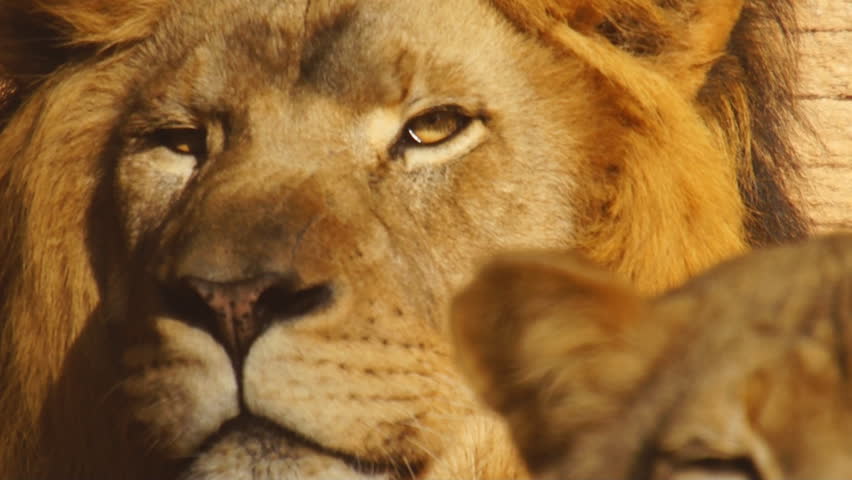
[436, 126]
[438, 136]
[184, 141]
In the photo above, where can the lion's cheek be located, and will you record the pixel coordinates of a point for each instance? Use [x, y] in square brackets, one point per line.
[365, 396]
[180, 390]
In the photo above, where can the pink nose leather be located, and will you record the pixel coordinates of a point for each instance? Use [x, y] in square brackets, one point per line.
[237, 319]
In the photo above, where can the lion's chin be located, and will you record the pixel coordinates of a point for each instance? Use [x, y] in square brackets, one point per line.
[248, 448]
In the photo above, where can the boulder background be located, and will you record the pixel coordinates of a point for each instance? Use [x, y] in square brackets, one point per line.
[825, 32]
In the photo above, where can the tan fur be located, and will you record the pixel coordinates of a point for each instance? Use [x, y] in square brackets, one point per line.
[743, 370]
[626, 130]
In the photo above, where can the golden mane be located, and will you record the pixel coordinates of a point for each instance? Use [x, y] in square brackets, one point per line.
[748, 93]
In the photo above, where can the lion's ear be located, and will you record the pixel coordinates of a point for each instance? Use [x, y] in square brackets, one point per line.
[681, 39]
[546, 340]
[39, 35]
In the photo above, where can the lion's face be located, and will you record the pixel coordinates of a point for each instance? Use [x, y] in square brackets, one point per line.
[299, 197]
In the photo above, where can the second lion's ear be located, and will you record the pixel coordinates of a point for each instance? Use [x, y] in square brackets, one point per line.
[680, 39]
[546, 340]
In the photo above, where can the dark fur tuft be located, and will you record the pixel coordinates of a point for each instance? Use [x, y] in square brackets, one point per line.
[38, 36]
[751, 94]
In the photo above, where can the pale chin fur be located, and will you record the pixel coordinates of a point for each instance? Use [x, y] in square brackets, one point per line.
[255, 451]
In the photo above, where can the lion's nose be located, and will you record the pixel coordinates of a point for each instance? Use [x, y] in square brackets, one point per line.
[237, 312]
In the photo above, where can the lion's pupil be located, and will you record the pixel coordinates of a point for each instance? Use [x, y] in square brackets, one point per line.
[186, 141]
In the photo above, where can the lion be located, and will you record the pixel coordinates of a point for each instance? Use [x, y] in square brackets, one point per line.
[743, 372]
[231, 230]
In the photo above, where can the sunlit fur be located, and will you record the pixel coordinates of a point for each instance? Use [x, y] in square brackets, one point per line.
[657, 135]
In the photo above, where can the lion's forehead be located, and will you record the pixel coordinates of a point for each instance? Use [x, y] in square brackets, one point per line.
[302, 41]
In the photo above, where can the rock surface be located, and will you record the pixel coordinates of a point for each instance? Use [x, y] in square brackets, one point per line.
[826, 94]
